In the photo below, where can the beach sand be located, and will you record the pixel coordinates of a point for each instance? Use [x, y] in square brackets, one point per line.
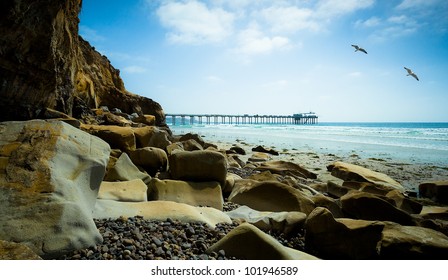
[409, 175]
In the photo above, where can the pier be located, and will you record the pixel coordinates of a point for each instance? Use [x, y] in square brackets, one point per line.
[301, 118]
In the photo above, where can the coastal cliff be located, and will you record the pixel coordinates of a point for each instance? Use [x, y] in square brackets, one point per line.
[45, 66]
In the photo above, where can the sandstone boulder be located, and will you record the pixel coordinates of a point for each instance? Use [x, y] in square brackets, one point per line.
[259, 157]
[247, 242]
[191, 145]
[191, 193]
[174, 148]
[160, 138]
[198, 166]
[284, 222]
[126, 191]
[143, 135]
[331, 204]
[411, 242]
[262, 149]
[351, 172]
[330, 238]
[118, 137]
[366, 206]
[16, 251]
[159, 210]
[125, 170]
[50, 173]
[151, 159]
[271, 196]
[191, 136]
[146, 119]
[437, 191]
[286, 168]
[409, 205]
[238, 150]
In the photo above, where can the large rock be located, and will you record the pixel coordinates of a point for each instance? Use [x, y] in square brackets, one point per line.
[436, 190]
[118, 137]
[271, 196]
[151, 136]
[330, 238]
[351, 172]
[367, 206]
[127, 191]
[198, 166]
[50, 173]
[192, 193]
[410, 242]
[284, 222]
[125, 170]
[151, 159]
[247, 242]
[16, 251]
[286, 168]
[160, 210]
[44, 63]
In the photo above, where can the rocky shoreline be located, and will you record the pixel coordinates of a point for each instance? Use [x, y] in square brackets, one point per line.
[89, 170]
[134, 191]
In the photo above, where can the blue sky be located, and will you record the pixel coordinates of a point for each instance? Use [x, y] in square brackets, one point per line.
[279, 57]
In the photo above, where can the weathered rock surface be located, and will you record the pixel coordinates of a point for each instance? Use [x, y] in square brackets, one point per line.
[262, 149]
[44, 63]
[285, 222]
[365, 206]
[437, 191]
[411, 242]
[126, 191]
[159, 210]
[351, 172]
[271, 196]
[50, 173]
[282, 167]
[118, 137]
[330, 238]
[250, 243]
[125, 170]
[198, 166]
[16, 251]
[151, 159]
[191, 193]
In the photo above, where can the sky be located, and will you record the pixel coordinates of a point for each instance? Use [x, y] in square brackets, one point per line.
[279, 57]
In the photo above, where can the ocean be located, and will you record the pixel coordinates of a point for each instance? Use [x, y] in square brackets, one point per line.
[413, 143]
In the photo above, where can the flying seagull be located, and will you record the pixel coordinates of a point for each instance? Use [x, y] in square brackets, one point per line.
[410, 73]
[359, 49]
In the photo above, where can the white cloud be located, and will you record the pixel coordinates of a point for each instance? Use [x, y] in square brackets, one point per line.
[252, 41]
[289, 19]
[192, 22]
[332, 8]
[371, 22]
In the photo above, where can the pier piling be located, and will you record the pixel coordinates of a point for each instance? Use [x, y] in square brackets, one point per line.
[301, 118]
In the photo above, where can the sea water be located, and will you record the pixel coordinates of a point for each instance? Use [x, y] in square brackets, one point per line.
[413, 143]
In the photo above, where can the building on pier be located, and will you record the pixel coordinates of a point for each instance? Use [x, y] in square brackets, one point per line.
[184, 119]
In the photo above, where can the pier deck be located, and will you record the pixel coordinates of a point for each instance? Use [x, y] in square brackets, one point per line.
[301, 118]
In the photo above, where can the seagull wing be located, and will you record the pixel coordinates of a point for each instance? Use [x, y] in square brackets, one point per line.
[409, 70]
[415, 76]
[363, 50]
[356, 47]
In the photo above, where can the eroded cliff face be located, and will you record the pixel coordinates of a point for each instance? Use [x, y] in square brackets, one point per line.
[45, 64]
